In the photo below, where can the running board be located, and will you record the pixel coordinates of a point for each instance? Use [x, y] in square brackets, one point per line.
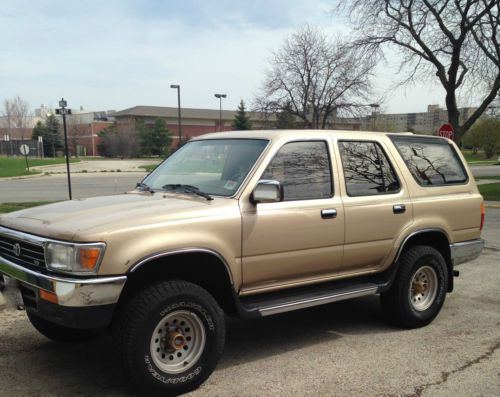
[288, 300]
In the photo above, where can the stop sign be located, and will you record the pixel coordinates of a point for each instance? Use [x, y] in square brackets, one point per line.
[446, 131]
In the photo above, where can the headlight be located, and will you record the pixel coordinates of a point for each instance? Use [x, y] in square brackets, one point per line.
[74, 258]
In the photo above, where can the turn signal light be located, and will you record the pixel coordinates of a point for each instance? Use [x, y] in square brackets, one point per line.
[48, 296]
[89, 257]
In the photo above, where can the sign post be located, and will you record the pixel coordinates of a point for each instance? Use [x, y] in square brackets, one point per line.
[446, 131]
[24, 149]
[64, 111]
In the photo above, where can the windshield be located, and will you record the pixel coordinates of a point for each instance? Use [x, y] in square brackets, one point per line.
[214, 166]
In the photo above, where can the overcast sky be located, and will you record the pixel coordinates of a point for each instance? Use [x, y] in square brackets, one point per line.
[114, 54]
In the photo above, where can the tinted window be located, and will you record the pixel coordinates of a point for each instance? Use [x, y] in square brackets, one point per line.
[303, 169]
[431, 161]
[367, 170]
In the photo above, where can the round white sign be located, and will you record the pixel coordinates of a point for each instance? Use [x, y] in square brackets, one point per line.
[24, 149]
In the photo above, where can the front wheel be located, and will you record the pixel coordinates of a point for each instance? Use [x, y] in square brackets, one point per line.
[419, 289]
[170, 338]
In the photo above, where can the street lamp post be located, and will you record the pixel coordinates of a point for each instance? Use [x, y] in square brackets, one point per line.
[64, 111]
[220, 96]
[178, 87]
[375, 107]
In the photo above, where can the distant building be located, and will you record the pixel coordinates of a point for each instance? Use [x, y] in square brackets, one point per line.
[195, 122]
[422, 122]
[83, 127]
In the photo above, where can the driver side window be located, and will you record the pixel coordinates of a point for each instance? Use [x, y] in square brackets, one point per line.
[303, 170]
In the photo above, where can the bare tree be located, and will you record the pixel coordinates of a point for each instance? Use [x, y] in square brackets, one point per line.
[315, 78]
[120, 140]
[77, 131]
[456, 41]
[16, 112]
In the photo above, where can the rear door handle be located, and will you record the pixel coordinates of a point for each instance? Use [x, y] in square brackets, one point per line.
[399, 208]
[329, 213]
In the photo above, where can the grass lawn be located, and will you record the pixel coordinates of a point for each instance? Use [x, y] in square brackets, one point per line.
[488, 177]
[9, 207]
[491, 191]
[478, 158]
[16, 166]
[149, 167]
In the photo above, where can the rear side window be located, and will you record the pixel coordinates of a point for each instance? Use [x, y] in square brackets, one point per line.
[432, 162]
[367, 170]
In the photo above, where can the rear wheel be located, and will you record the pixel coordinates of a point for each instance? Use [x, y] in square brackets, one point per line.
[419, 289]
[170, 338]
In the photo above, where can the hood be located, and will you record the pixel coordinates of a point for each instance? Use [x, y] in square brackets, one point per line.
[92, 219]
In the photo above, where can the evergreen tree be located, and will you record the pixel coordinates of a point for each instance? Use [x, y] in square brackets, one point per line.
[145, 137]
[50, 133]
[160, 138]
[241, 120]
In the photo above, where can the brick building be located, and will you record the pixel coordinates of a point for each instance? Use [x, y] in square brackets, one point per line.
[195, 122]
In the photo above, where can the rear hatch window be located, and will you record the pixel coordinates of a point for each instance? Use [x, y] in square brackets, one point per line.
[431, 161]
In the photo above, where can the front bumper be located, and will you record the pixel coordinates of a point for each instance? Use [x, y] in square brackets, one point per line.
[81, 302]
[466, 251]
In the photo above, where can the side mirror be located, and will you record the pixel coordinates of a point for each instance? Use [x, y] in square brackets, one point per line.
[267, 191]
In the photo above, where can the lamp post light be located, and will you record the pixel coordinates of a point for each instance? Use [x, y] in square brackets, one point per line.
[64, 111]
[220, 96]
[178, 87]
[376, 108]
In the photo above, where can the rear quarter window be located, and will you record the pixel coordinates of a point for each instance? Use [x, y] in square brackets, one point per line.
[432, 162]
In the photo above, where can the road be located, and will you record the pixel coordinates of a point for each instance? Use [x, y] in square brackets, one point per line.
[54, 187]
[341, 349]
[485, 170]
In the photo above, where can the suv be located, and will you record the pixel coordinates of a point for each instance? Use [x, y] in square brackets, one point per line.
[246, 224]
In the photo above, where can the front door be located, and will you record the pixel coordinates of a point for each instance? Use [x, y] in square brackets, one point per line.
[300, 238]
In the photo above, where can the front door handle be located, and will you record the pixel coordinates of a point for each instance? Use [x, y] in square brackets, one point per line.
[399, 208]
[329, 213]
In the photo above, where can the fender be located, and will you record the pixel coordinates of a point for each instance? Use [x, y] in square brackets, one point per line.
[387, 277]
[191, 250]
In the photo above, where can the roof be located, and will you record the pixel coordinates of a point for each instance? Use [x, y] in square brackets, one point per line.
[300, 134]
[187, 113]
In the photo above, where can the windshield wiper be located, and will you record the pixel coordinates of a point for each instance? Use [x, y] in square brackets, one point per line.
[145, 188]
[187, 189]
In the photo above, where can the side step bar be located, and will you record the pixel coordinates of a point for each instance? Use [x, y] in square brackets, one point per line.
[289, 300]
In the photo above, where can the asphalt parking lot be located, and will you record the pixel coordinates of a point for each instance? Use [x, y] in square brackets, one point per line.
[342, 349]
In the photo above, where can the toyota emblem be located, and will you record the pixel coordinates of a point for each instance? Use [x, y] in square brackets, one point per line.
[17, 249]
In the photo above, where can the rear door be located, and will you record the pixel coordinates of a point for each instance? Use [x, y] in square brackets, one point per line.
[377, 205]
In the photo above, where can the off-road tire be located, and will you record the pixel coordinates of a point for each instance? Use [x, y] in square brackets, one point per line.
[400, 303]
[136, 327]
[60, 333]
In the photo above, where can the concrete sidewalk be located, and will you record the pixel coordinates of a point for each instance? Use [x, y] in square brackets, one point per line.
[91, 166]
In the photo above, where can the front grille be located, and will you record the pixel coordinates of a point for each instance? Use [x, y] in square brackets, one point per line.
[22, 252]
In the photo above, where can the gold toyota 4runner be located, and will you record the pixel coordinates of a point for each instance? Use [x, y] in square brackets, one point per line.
[246, 224]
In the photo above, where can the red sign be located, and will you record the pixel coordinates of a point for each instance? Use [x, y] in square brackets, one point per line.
[446, 131]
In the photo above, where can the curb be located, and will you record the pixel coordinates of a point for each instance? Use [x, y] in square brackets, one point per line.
[10, 178]
[492, 205]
